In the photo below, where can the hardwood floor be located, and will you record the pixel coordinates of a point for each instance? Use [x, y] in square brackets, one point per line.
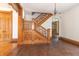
[60, 49]
[6, 47]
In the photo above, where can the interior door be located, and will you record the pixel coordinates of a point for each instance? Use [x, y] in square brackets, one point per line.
[55, 28]
[5, 26]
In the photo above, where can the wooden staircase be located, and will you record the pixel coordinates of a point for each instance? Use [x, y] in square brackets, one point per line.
[42, 18]
[34, 33]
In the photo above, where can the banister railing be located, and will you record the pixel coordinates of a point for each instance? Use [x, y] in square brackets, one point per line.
[40, 16]
[27, 25]
[30, 25]
[41, 30]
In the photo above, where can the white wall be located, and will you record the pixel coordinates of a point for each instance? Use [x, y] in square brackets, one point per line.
[15, 24]
[6, 7]
[28, 16]
[69, 24]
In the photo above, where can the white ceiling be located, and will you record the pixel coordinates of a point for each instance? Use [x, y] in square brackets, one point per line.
[47, 7]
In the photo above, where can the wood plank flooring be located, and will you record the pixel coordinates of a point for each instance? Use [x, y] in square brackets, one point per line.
[61, 48]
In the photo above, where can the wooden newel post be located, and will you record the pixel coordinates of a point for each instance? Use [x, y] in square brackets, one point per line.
[20, 31]
[48, 30]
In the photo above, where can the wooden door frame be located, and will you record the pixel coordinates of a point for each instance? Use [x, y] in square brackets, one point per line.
[3, 11]
[19, 9]
[57, 28]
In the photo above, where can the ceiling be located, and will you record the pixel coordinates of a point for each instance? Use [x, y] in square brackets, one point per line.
[47, 7]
